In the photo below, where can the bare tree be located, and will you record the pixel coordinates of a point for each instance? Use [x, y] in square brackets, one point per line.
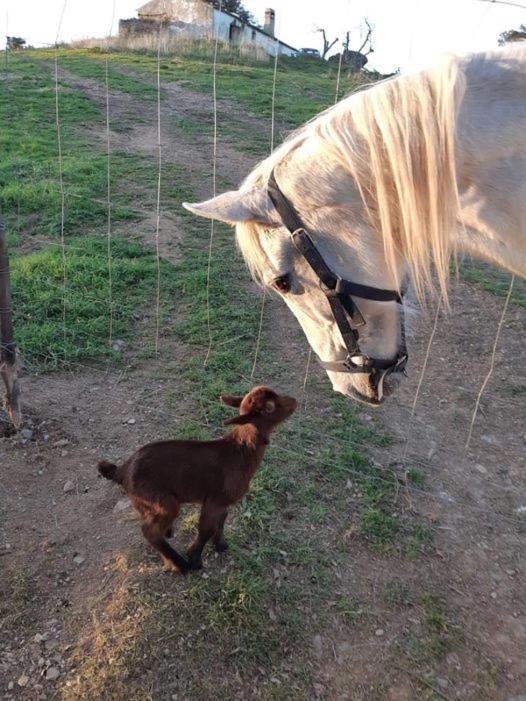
[327, 45]
[355, 59]
[367, 40]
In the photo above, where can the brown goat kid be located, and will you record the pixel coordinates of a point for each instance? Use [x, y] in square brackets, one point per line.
[161, 476]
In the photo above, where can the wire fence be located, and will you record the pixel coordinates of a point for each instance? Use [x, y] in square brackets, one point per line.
[465, 510]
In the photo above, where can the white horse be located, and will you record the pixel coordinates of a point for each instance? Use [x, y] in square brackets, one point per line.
[390, 183]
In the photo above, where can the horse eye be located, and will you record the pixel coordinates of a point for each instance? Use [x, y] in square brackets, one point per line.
[282, 283]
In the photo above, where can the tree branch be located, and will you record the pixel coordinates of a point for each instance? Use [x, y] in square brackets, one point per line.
[367, 38]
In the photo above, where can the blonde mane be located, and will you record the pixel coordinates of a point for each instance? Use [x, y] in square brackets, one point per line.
[397, 141]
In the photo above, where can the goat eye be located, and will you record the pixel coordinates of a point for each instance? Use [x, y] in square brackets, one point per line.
[282, 283]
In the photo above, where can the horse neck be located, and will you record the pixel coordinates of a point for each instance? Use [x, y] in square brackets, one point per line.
[491, 162]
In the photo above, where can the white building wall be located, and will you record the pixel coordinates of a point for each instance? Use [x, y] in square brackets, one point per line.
[222, 24]
[246, 35]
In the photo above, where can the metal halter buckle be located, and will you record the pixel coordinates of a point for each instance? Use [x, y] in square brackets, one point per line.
[356, 367]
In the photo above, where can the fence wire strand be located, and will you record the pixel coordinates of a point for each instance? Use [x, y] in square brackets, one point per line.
[303, 406]
[272, 139]
[108, 192]
[61, 184]
[492, 362]
[214, 191]
[158, 206]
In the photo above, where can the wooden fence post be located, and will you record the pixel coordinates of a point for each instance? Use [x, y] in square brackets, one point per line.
[8, 352]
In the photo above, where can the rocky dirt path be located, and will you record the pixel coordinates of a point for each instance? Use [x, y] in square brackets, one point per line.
[62, 526]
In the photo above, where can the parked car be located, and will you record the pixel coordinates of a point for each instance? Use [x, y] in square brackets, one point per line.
[310, 52]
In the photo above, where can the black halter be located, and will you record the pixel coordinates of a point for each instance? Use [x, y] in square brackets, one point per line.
[338, 292]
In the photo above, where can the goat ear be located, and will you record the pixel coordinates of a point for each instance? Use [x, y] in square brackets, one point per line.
[270, 406]
[231, 400]
[239, 420]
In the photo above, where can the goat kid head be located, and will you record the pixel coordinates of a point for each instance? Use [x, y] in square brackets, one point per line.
[260, 405]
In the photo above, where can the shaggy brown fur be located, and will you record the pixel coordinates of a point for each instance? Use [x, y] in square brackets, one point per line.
[161, 476]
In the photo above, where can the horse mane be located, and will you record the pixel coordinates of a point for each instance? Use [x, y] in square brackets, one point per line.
[397, 141]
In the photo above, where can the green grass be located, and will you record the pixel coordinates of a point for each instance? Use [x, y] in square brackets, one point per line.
[15, 602]
[440, 633]
[38, 292]
[29, 168]
[493, 280]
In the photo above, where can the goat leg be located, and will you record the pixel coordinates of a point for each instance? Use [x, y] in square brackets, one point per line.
[211, 518]
[218, 539]
[154, 534]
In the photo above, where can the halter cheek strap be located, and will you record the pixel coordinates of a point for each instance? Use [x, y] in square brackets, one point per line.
[339, 293]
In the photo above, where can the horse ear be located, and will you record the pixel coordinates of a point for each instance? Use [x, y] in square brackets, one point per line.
[236, 206]
[230, 400]
[240, 419]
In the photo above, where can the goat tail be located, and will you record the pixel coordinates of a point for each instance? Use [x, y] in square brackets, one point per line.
[109, 471]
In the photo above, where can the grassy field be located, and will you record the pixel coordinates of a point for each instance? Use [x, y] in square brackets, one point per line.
[256, 621]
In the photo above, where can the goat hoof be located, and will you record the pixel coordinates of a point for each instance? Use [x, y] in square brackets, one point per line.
[221, 546]
[175, 568]
[169, 533]
[195, 564]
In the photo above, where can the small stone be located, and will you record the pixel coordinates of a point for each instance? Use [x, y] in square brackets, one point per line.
[379, 632]
[23, 680]
[26, 433]
[52, 673]
[442, 683]
[39, 638]
[69, 487]
[78, 559]
[317, 645]
[131, 421]
[489, 440]
[118, 344]
[11, 685]
[521, 509]
[121, 505]
[493, 595]
[61, 443]
[480, 468]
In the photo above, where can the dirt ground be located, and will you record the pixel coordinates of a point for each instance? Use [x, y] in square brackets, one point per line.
[62, 524]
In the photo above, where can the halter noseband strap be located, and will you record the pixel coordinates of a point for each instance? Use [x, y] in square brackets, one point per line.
[338, 292]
